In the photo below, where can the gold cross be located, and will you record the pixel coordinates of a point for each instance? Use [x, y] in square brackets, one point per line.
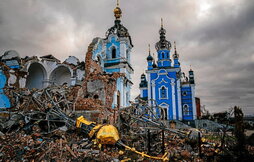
[117, 3]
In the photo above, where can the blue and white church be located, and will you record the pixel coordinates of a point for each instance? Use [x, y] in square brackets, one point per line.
[114, 55]
[167, 89]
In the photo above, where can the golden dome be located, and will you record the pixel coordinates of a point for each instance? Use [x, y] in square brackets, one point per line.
[118, 12]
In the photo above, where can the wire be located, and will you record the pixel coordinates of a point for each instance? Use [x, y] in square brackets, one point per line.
[163, 158]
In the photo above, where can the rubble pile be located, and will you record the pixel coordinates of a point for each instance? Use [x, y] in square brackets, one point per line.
[24, 99]
[49, 134]
[57, 146]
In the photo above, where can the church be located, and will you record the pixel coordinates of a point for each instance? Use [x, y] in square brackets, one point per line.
[113, 53]
[165, 87]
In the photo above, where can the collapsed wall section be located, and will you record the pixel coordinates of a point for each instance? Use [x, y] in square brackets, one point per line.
[98, 87]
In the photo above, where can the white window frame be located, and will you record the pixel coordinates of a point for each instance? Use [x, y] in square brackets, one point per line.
[160, 92]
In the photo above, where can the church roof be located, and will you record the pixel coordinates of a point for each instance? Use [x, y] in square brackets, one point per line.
[163, 43]
[149, 58]
[118, 28]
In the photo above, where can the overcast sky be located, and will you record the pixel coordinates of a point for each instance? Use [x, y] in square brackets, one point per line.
[215, 37]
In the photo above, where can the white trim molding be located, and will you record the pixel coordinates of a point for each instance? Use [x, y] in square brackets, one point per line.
[173, 98]
[153, 95]
[149, 89]
[194, 111]
[166, 92]
[179, 97]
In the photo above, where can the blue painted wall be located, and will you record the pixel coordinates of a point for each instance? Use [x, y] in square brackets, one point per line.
[187, 100]
[4, 100]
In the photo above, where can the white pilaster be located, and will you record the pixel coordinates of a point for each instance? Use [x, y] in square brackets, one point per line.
[149, 89]
[115, 99]
[122, 49]
[194, 102]
[121, 92]
[124, 95]
[180, 112]
[173, 99]
[154, 96]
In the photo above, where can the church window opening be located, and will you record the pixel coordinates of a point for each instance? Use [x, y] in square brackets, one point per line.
[162, 55]
[99, 60]
[186, 109]
[96, 96]
[113, 52]
[163, 92]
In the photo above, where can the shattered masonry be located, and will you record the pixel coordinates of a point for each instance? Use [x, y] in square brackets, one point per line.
[97, 91]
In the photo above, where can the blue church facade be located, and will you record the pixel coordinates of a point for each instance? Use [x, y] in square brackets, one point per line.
[165, 86]
[114, 55]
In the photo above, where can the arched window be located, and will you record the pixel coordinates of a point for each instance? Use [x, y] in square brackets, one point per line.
[163, 92]
[162, 55]
[99, 60]
[113, 52]
[186, 109]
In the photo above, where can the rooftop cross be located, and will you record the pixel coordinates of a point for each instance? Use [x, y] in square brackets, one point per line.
[161, 23]
[149, 49]
[117, 3]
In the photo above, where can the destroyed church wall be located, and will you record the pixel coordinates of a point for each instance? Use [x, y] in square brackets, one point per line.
[54, 73]
[98, 88]
[32, 72]
[37, 75]
[45, 73]
[61, 74]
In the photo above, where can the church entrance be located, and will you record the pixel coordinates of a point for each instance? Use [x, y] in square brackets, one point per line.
[164, 114]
